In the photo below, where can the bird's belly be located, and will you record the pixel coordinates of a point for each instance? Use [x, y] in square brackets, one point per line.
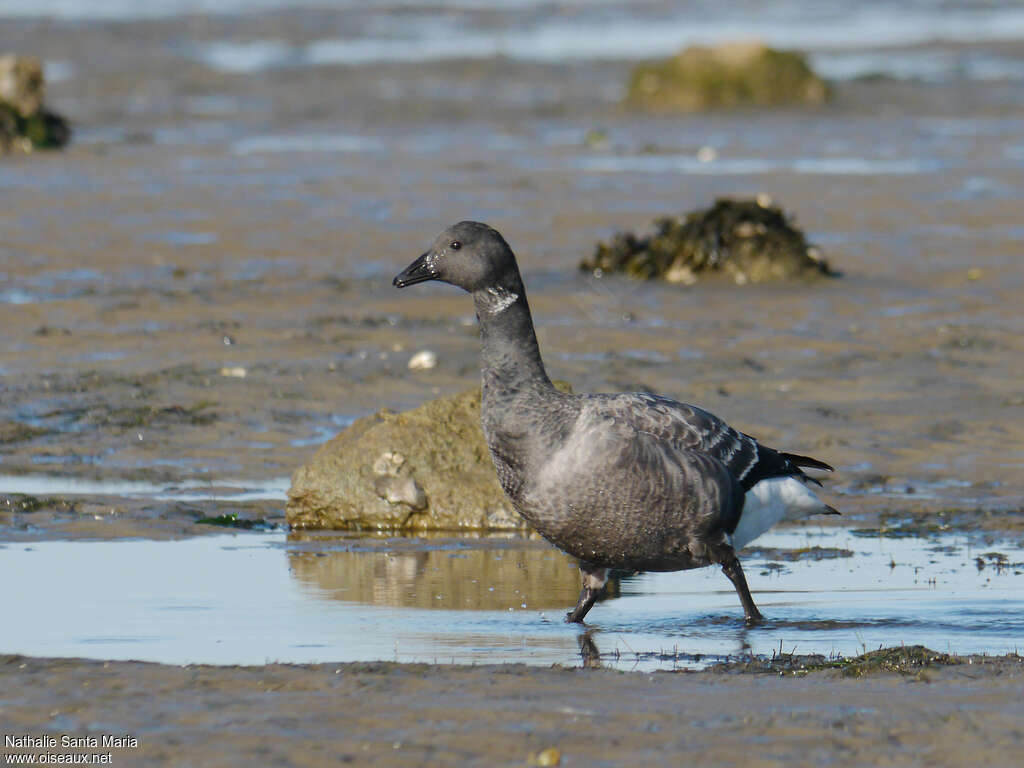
[621, 541]
[619, 498]
[644, 556]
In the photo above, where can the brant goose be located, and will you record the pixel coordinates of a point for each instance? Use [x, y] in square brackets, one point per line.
[633, 481]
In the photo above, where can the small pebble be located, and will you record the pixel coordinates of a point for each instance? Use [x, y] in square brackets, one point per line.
[234, 372]
[423, 360]
[680, 273]
[549, 756]
[707, 155]
[595, 138]
[973, 273]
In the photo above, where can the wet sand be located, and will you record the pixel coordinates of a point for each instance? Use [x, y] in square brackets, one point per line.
[198, 291]
[386, 714]
[172, 250]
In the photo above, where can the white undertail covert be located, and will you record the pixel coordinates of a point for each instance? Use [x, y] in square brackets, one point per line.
[769, 502]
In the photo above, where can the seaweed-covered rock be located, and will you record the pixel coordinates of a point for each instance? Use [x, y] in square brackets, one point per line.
[729, 75]
[749, 240]
[424, 469]
[25, 124]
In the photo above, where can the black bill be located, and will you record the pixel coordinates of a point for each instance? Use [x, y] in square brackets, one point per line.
[417, 272]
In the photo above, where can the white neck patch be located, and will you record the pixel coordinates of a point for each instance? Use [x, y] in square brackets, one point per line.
[498, 300]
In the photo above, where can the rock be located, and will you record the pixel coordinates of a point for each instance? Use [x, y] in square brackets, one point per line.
[423, 360]
[424, 469]
[21, 83]
[707, 155]
[728, 75]
[750, 240]
[25, 124]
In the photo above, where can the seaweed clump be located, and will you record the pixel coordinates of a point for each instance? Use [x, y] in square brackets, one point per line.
[17, 432]
[25, 503]
[750, 240]
[232, 520]
[725, 76]
[909, 661]
[25, 123]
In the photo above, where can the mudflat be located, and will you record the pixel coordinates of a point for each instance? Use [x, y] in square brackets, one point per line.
[196, 293]
[403, 715]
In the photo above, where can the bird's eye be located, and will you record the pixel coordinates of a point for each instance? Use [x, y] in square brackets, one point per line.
[455, 245]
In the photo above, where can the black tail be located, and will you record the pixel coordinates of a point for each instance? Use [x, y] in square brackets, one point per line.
[806, 461]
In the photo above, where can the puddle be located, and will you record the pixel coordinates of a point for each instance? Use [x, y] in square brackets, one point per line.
[324, 432]
[225, 490]
[925, 65]
[248, 57]
[253, 598]
[181, 238]
[691, 164]
[17, 296]
[308, 143]
[931, 490]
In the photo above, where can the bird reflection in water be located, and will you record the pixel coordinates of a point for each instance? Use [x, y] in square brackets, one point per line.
[591, 655]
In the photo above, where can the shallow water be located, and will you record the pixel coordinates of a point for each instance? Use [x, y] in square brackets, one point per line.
[227, 490]
[252, 598]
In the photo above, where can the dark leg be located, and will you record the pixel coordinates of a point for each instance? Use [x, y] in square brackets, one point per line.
[594, 580]
[732, 569]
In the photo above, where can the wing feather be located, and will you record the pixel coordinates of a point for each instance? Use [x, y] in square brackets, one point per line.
[687, 427]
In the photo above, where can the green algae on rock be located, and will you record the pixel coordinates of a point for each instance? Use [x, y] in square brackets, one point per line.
[25, 124]
[428, 468]
[725, 76]
[750, 240]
